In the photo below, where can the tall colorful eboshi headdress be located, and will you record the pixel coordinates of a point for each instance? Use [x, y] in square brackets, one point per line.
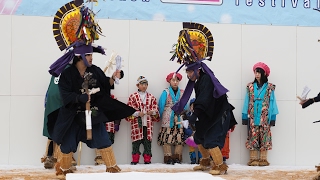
[75, 22]
[75, 30]
[195, 44]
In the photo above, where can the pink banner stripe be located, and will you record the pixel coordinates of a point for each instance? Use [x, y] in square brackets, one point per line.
[2, 3]
[216, 1]
[16, 6]
[8, 7]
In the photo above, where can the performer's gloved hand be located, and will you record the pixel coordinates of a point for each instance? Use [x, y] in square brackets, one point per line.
[311, 101]
[272, 123]
[244, 121]
[83, 98]
[307, 103]
[193, 118]
[121, 74]
[317, 99]
[116, 127]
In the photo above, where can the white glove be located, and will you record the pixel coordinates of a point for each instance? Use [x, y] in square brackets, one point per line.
[118, 66]
[94, 90]
[185, 124]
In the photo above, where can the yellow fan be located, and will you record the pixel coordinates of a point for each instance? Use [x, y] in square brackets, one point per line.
[66, 23]
[195, 43]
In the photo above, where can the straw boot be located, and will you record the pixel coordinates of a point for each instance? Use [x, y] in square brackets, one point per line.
[254, 160]
[63, 164]
[56, 149]
[98, 159]
[47, 160]
[109, 160]
[219, 167]
[57, 152]
[73, 162]
[317, 177]
[204, 161]
[263, 158]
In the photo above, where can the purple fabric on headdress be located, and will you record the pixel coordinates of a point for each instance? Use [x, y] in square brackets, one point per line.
[179, 106]
[219, 89]
[79, 48]
[83, 57]
[99, 49]
[59, 65]
[83, 49]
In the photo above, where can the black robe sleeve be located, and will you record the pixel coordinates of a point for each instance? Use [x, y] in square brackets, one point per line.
[112, 108]
[66, 87]
[204, 95]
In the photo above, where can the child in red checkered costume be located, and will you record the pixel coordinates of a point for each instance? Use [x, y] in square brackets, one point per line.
[142, 120]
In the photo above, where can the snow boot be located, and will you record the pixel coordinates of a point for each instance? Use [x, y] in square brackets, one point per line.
[168, 160]
[147, 158]
[135, 159]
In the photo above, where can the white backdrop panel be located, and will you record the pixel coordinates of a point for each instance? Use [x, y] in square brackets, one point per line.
[237, 148]
[307, 146]
[226, 60]
[27, 145]
[307, 74]
[283, 134]
[308, 59]
[275, 46]
[5, 59]
[32, 46]
[5, 129]
[150, 48]
[116, 39]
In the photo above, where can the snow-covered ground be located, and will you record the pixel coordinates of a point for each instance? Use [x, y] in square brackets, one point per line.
[159, 171]
[149, 172]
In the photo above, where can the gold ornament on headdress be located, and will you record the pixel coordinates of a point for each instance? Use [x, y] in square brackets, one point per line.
[195, 43]
[73, 22]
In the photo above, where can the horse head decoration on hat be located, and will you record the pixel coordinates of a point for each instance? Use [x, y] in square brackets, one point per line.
[74, 29]
[195, 44]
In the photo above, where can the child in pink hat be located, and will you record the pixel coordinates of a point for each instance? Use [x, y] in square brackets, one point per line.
[259, 114]
[171, 132]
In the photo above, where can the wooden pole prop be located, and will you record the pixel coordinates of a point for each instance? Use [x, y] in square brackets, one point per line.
[87, 76]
